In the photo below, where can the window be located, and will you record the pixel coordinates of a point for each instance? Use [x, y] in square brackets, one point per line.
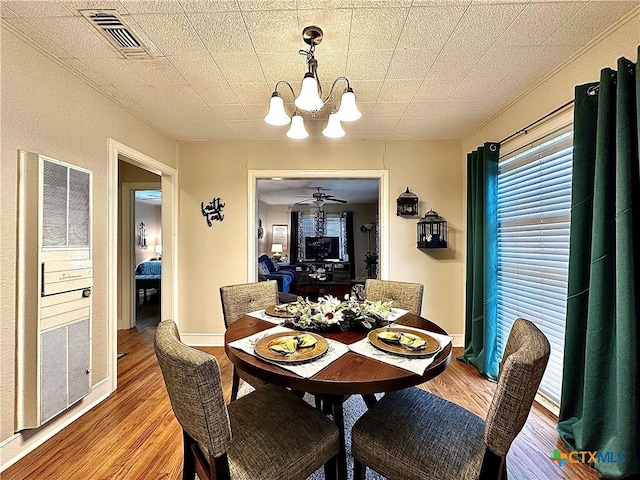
[534, 204]
[325, 224]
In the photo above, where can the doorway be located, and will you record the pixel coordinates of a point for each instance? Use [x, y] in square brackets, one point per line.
[146, 267]
[381, 176]
[120, 287]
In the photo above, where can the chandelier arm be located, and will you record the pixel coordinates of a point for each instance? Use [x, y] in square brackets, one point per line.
[275, 89]
[336, 81]
[330, 96]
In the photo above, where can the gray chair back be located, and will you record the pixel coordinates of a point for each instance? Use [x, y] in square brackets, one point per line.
[407, 296]
[238, 300]
[194, 385]
[523, 363]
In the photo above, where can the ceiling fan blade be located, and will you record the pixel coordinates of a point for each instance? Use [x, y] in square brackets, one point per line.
[335, 200]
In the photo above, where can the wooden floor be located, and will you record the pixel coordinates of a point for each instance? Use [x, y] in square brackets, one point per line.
[134, 435]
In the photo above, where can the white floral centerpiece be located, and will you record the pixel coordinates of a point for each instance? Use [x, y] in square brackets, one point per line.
[331, 314]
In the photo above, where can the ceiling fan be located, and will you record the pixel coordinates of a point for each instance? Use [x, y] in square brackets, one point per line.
[319, 198]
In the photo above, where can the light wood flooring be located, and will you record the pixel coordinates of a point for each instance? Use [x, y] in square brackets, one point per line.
[134, 435]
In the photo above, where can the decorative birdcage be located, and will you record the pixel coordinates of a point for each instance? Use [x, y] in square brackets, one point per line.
[407, 204]
[432, 231]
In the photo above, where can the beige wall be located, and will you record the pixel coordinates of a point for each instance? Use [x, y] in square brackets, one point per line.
[276, 215]
[150, 216]
[216, 256]
[128, 173]
[47, 110]
[558, 89]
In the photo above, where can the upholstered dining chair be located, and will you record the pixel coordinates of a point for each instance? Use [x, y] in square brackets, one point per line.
[411, 434]
[407, 296]
[267, 434]
[238, 300]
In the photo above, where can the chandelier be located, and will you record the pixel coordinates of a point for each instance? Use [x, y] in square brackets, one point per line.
[310, 98]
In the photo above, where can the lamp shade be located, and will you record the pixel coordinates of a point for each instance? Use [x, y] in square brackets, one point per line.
[276, 249]
[297, 130]
[334, 127]
[277, 115]
[309, 98]
[348, 111]
[158, 249]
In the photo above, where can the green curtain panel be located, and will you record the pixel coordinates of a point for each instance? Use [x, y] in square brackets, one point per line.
[601, 381]
[482, 260]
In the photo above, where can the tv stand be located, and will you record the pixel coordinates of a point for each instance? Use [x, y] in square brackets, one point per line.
[336, 279]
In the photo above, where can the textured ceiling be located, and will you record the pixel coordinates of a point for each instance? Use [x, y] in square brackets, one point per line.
[289, 191]
[421, 69]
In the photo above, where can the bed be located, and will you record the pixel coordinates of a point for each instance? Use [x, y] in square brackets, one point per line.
[148, 275]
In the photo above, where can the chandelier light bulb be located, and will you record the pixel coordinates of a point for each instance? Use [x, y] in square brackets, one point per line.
[297, 130]
[309, 99]
[334, 127]
[277, 115]
[348, 111]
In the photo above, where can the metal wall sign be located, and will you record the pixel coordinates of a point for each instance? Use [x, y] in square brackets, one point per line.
[212, 211]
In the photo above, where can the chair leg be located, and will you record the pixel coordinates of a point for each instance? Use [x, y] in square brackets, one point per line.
[331, 468]
[189, 460]
[369, 399]
[338, 419]
[235, 384]
[359, 470]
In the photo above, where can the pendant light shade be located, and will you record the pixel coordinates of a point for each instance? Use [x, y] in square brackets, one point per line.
[277, 115]
[297, 130]
[334, 127]
[348, 111]
[309, 99]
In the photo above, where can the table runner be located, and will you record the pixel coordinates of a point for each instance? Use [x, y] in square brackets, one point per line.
[414, 365]
[267, 318]
[396, 313]
[305, 370]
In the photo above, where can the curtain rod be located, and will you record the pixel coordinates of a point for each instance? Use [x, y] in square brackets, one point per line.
[535, 122]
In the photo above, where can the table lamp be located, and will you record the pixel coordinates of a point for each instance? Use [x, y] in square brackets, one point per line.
[158, 250]
[276, 249]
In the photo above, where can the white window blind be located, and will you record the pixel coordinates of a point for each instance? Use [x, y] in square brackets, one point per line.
[534, 204]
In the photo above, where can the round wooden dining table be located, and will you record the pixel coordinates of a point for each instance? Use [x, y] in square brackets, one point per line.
[350, 374]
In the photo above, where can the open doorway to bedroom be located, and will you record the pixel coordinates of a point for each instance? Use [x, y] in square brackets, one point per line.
[147, 264]
[140, 239]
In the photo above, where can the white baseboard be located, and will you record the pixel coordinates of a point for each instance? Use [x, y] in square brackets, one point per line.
[549, 404]
[458, 339]
[203, 339]
[17, 446]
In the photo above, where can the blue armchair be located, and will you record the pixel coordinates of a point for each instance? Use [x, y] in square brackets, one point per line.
[285, 275]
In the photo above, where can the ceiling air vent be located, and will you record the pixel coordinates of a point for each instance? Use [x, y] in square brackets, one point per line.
[113, 28]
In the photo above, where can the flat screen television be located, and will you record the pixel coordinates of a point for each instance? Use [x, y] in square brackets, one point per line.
[322, 248]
